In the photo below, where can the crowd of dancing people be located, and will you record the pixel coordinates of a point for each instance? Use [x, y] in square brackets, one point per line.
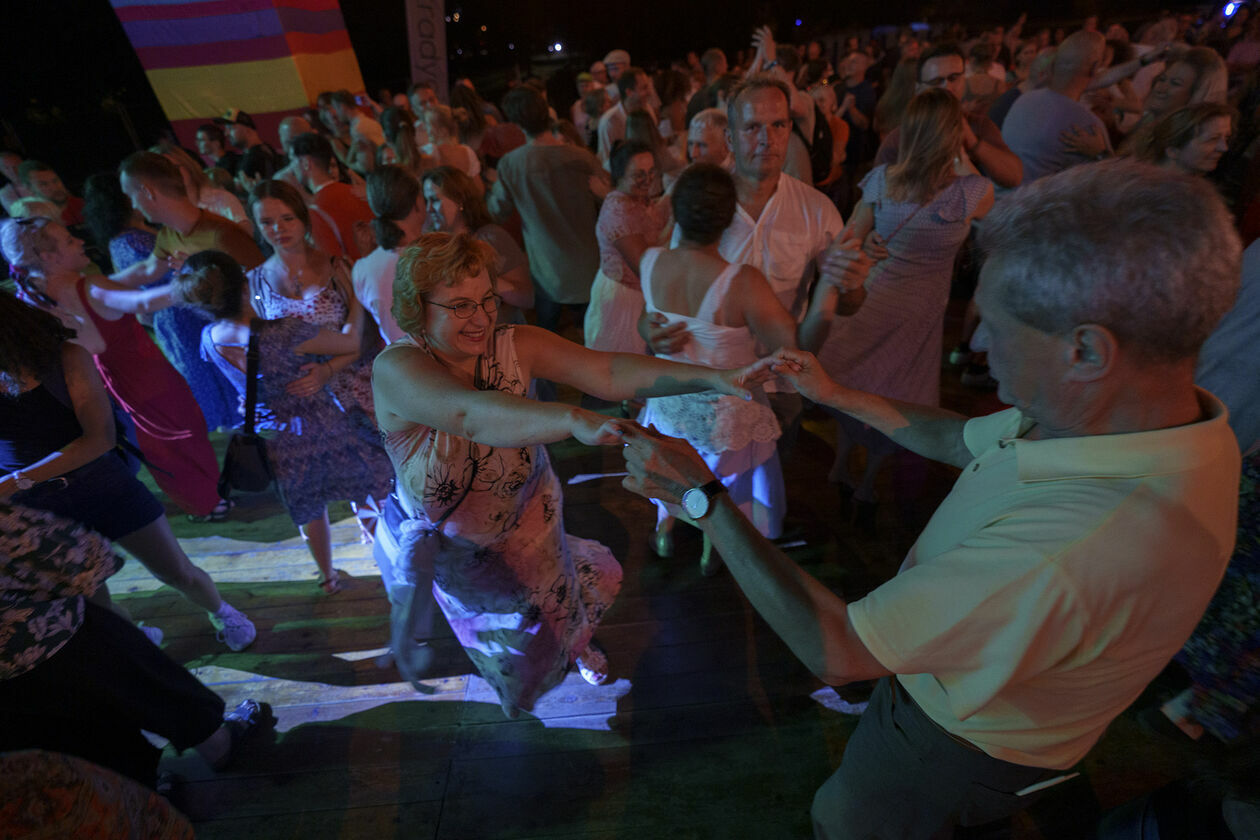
[393, 291]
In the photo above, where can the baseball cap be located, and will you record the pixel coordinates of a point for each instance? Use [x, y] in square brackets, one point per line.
[236, 115]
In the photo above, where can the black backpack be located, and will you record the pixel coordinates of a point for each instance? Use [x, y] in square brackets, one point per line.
[820, 146]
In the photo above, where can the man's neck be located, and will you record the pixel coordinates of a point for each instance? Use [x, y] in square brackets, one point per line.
[545, 139]
[182, 215]
[1072, 89]
[754, 194]
[319, 179]
[1146, 400]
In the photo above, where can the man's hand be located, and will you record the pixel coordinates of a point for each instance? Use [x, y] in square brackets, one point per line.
[763, 43]
[845, 265]
[316, 376]
[665, 340]
[661, 467]
[805, 373]
[1087, 143]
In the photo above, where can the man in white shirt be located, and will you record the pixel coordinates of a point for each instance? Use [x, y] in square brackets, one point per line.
[782, 226]
[636, 92]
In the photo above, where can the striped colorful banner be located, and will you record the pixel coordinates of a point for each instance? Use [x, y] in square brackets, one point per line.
[268, 58]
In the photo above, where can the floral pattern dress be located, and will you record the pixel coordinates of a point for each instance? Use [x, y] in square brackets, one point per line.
[523, 597]
[178, 332]
[352, 386]
[320, 453]
[1223, 654]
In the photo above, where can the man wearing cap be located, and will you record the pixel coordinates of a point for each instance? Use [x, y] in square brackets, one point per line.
[615, 63]
[243, 134]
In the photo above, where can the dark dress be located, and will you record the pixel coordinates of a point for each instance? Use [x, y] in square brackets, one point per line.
[320, 453]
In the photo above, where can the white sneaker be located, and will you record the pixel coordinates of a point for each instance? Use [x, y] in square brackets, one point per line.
[235, 630]
[153, 634]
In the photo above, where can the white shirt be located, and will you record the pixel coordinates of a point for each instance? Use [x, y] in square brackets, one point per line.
[795, 226]
[373, 281]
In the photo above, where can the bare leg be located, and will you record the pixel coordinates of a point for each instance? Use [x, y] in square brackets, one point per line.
[839, 472]
[156, 547]
[318, 536]
[663, 538]
[102, 599]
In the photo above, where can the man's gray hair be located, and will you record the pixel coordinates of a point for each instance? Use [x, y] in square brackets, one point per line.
[755, 83]
[710, 118]
[1149, 254]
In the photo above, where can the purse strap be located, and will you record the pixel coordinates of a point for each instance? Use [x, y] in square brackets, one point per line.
[251, 376]
[476, 462]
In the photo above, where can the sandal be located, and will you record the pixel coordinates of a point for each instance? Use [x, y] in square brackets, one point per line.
[332, 584]
[593, 664]
[218, 514]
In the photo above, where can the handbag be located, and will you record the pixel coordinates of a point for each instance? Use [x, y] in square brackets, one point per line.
[245, 464]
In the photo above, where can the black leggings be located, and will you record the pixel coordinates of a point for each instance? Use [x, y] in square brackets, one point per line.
[92, 698]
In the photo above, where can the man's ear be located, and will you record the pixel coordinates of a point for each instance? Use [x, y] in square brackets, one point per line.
[1094, 352]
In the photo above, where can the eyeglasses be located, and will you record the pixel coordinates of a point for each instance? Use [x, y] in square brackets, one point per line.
[465, 309]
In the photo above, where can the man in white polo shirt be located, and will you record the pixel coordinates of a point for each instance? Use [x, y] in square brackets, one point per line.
[1088, 529]
[782, 226]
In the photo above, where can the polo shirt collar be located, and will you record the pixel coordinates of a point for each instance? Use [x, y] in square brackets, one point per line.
[1130, 455]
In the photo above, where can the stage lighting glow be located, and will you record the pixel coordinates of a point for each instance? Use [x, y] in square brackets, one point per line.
[559, 47]
[1230, 8]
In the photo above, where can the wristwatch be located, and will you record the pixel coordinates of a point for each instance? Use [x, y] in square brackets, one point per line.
[22, 482]
[697, 501]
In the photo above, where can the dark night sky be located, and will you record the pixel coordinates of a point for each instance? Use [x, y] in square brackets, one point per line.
[66, 60]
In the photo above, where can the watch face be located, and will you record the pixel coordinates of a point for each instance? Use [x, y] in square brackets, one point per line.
[695, 502]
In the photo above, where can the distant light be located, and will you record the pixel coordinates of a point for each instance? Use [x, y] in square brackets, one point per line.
[550, 48]
[1230, 8]
[511, 46]
[798, 21]
[559, 47]
[455, 17]
[483, 27]
[448, 18]
[459, 52]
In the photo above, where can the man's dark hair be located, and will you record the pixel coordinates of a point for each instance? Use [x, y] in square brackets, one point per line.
[324, 99]
[703, 202]
[627, 80]
[155, 169]
[28, 166]
[421, 86]
[938, 51]
[343, 97]
[258, 162]
[709, 61]
[525, 106]
[314, 146]
[789, 59]
[214, 132]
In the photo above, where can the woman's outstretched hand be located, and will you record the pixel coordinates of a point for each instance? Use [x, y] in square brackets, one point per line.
[804, 371]
[661, 467]
[595, 429]
[739, 382]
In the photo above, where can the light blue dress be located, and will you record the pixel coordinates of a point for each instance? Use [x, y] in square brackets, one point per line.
[178, 333]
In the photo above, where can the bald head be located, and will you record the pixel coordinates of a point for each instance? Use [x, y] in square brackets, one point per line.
[291, 127]
[1077, 58]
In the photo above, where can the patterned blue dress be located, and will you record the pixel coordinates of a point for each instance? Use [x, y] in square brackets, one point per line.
[320, 453]
[178, 332]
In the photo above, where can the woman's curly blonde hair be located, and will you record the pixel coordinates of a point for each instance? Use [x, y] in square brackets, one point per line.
[435, 259]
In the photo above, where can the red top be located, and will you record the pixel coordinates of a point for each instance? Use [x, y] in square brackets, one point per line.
[344, 208]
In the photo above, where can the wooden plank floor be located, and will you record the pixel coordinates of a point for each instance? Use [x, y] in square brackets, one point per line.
[710, 728]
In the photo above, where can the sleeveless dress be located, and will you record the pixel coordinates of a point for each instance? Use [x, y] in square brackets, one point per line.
[735, 437]
[320, 453]
[170, 428]
[524, 597]
[892, 345]
[178, 332]
[351, 386]
[612, 318]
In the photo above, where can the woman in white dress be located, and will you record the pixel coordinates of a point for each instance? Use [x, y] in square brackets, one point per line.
[730, 313]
